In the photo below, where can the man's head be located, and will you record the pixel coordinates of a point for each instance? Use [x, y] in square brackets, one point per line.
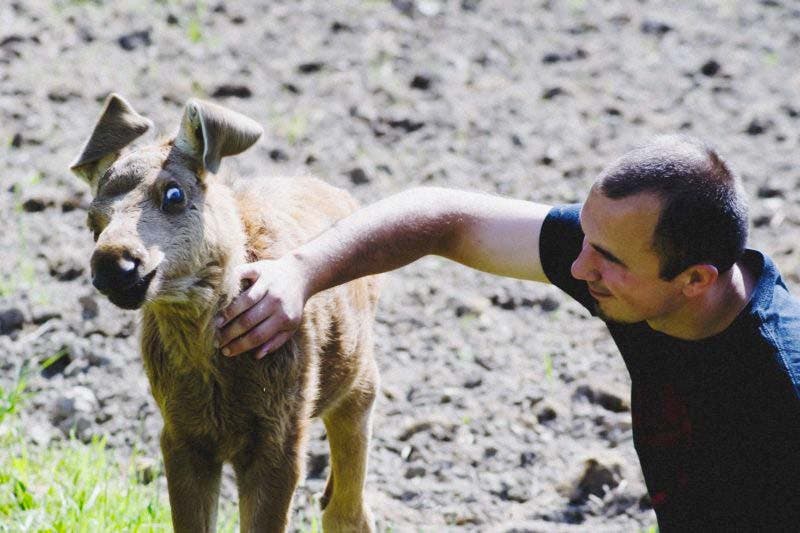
[703, 215]
[661, 223]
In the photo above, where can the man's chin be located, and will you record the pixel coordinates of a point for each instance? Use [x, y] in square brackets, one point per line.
[608, 318]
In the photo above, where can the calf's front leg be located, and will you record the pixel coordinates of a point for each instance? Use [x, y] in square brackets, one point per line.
[193, 479]
[266, 481]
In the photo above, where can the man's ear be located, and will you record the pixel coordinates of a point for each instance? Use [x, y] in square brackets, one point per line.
[699, 278]
[209, 132]
[116, 128]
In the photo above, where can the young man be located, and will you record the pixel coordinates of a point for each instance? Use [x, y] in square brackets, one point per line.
[707, 329]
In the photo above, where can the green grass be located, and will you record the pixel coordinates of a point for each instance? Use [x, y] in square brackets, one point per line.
[75, 487]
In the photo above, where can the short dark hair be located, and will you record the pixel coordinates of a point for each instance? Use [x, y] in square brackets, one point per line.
[703, 212]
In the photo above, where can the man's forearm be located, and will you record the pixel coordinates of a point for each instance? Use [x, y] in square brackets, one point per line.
[381, 237]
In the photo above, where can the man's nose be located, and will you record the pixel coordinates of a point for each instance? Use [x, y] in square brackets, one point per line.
[584, 267]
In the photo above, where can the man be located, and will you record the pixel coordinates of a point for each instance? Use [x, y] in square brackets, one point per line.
[707, 329]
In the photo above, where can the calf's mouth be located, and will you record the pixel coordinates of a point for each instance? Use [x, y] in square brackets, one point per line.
[133, 296]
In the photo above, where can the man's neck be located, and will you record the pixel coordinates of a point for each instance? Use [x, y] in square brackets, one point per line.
[711, 314]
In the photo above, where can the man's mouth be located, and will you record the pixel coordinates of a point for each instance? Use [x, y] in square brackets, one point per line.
[132, 297]
[598, 294]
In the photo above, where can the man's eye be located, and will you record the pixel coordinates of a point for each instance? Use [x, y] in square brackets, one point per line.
[173, 196]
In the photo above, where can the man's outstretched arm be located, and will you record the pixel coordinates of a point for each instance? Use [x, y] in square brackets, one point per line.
[488, 233]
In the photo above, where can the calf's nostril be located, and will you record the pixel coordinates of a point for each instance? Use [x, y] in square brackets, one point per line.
[127, 265]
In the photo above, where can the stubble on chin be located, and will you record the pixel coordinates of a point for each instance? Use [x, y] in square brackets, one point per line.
[605, 317]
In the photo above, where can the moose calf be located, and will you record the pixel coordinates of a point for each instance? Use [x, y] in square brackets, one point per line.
[169, 233]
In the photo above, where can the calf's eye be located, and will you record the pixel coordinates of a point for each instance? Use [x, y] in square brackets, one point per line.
[173, 197]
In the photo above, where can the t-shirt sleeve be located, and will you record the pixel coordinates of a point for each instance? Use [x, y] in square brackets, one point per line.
[560, 242]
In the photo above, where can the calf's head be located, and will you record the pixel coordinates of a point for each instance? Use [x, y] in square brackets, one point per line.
[163, 225]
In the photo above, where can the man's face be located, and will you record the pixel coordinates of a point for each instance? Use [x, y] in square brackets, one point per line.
[619, 263]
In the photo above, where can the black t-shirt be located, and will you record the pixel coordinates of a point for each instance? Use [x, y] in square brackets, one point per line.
[716, 422]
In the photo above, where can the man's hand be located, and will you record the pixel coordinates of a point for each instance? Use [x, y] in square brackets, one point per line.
[268, 313]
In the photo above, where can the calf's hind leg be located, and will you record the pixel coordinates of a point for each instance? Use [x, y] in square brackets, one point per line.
[348, 427]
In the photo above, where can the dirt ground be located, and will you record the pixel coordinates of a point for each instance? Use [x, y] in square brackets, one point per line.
[504, 406]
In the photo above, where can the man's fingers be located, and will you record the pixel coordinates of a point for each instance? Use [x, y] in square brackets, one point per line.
[260, 334]
[249, 319]
[247, 271]
[279, 340]
[242, 303]
[262, 351]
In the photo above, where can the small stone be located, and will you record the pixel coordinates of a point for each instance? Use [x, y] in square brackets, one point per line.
[406, 7]
[278, 155]
[548, 304]
[36, 205]
[548, 411]
[78, 399]
[768, 191]
[473, 382]
[291, 87]
[597, 475]
[58, 365]
[710, 68]
[507, 303]
[406, 124]
[513, 493]
[414, 471]
[172, 20]
[551, 57]
[81, 425]
[358, 176]
[89, 307]
[98, 359]
[73, 202]
[40, 316]
[526, 459]
[16, 140]
[62, 95]
[409, 453]
[791, 112]
[757, 126]
[135, 39]
[338, 27]
[654, 27]
[11, 39]
[39, 433]
[607, 396]
[146, 470]
[413, 429]
[231, 90]
[66, 265]
[310, 67]
[316, 465]
[422, 82]
[552, 92]
[11, 320]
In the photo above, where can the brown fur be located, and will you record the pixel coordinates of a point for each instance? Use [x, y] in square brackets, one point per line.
[250, 413]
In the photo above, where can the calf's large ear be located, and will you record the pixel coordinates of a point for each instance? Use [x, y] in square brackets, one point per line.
[116, 128]
[209, 132]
